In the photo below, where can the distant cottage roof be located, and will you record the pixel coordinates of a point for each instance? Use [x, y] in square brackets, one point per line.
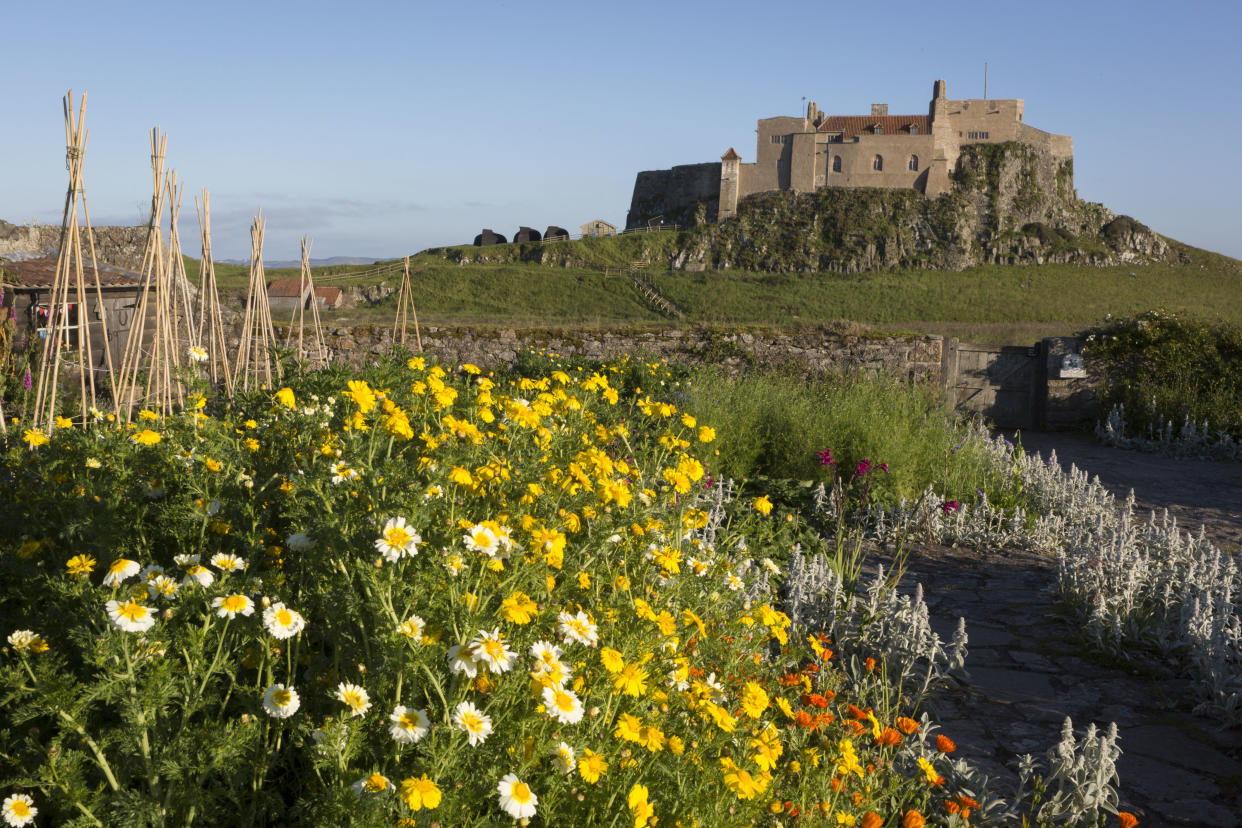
[286, 287]
[852, 125]
[328, 294]
[40, 273]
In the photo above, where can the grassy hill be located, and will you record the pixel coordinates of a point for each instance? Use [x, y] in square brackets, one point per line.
[586, 283]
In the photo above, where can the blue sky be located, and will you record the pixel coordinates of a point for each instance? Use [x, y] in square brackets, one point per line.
[381, 129]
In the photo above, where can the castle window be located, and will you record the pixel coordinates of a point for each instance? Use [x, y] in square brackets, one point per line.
[877, 129]
[877, 163]
[914, 130]
[914, 163]
[836, 163]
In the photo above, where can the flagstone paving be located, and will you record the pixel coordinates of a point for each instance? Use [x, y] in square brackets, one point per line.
[1028, 670]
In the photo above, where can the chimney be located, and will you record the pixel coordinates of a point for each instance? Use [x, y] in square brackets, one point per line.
[879, 110]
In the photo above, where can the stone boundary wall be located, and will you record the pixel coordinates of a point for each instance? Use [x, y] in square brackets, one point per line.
[911, 358]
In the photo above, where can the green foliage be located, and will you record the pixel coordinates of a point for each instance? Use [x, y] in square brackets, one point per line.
[1166, 367]
[774, 425]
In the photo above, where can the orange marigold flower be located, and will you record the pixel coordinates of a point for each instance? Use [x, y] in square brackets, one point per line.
[791, 680]
[872, 820]
[1127, 819]
[829, 695]
[944, 744]
[888, 738]
[907, 725]
[856, 727]
[967, 802]
[857, 798]
[913, 819]
[869, 664]
[814, 700]
[803, 719]
[952, 807]
[836, 783]
[856, 712]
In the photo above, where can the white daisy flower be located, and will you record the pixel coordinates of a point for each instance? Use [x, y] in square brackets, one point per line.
[412, 627]
[354, 697]
[491, 649]
[408, 725]
[562, 704]
[162, 585]
[516, 798]
[476, 724]
[578, 628]
[227, 562]
[546, 652]
[300, 542]
[566, 759]
[26, 640]
[283, 622]
[397, 540]
[119, 571]
[196, 353]
[376, 783]
[342, 473]
[281, 702]
[482, 539]
[698, 566]
[185, 560]
[733, 582]
[461, 660]
[229, 606]
[198, 574]
[19, 810]
[131, 616]
[152, 572]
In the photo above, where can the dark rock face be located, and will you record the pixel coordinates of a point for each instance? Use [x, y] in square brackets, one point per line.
[554, 232]
[526, 234]
[487, 238]
[1011, 204]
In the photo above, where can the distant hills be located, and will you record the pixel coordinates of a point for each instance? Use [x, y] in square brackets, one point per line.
[332, 262]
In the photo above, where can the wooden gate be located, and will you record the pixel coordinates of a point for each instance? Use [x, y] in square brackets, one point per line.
[997, 382]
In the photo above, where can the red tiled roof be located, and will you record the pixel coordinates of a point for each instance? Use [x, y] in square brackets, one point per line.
[39, 273]
[731, 155]
[293, 286]
[851, 125]
[330, 294]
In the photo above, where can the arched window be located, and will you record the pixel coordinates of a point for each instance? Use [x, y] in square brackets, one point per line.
[836, 163]
[877, 163]
[914, 163]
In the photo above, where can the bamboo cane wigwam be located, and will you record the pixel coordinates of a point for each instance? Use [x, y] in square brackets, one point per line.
[405, 309]
[151, 371]
[314, 351]
[254, 352]
[211, 334]
[69, 283]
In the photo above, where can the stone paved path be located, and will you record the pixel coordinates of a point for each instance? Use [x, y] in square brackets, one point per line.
[1027, 671]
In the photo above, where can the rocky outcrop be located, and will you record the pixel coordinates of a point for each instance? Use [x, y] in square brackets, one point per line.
[1011, 204]
[118, 246]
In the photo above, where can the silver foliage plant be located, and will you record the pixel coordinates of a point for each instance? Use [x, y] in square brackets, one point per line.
[1192, 440]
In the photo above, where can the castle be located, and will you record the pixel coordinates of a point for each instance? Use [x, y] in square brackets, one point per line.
[878, 150]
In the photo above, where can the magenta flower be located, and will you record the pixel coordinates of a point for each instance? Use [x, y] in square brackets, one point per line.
[863, 467]
[884, 467]
[825, 457]
[26, 381]
[950, 507]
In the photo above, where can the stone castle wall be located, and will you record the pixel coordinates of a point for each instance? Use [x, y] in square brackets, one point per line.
[676, 195]
[118, 246]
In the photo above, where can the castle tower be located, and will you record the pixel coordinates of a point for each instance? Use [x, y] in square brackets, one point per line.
[944, 142]
[730, 164]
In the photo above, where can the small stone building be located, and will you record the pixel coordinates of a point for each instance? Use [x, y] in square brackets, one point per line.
[598, 227]
[288, 294]
[27, 295]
